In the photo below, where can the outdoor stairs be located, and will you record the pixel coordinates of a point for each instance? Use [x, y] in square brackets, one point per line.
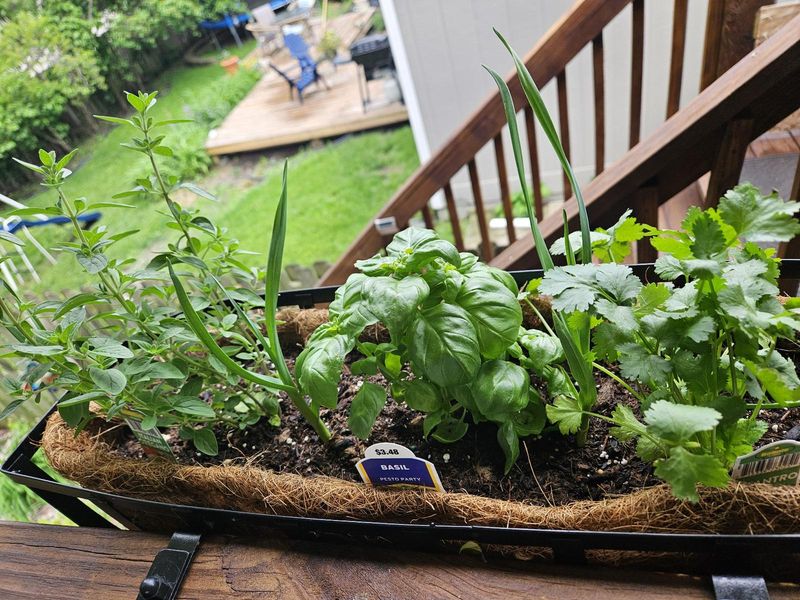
[697, 154]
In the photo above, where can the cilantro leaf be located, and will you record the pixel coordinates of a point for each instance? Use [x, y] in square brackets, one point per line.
[679, 422]
[576, 287]
[684, 470]
[627, 426]
[567, 413]
[652, 296]
[621, 316]
[758, 218]
[777, 376]
[743, 437]
[708, 237]
[607, 339]
[637, 363]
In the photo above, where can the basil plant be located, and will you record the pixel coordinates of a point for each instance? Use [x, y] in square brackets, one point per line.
[453, 323]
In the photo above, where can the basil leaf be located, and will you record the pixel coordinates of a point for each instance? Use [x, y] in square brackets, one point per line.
[450, 430]
[319, 367]
[494, 311]
[365, 408]
[205, 441]
[392, 300]
[443, 345]
[422, 396]
[509, 442]
[501, 389]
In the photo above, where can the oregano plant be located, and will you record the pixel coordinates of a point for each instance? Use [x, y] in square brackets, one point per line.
[123, 344]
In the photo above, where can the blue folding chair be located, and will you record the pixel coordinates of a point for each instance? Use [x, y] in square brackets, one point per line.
[308, 67]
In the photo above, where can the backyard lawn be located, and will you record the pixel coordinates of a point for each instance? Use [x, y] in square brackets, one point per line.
[333, 190]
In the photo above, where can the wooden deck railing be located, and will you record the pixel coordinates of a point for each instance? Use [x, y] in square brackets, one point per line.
[581, 27]
[711, 133]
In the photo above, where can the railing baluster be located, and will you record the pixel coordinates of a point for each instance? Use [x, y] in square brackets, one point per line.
[563, 120]
[637, 58]
[599, 106]
[427, 216]
[483, 226]
[727, 166]
[676, 59]
[533, 155]
[505, 197]
[645, 208]
[791, 249]
[455, 224]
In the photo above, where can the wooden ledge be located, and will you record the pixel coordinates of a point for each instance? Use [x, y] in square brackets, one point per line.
[44, 562]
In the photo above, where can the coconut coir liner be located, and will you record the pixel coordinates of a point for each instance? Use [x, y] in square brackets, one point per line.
[736, 509]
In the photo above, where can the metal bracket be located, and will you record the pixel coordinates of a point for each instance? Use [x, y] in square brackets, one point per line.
[739, 587]
[169, 568]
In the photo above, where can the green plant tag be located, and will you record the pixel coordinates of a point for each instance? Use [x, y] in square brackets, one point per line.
[777, 463]
[150, 438]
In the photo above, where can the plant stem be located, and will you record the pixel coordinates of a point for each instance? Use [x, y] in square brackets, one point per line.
[541, 318]
[619, 380]
[583, 431]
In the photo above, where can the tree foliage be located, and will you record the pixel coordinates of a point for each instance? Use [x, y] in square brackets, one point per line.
[59, 59]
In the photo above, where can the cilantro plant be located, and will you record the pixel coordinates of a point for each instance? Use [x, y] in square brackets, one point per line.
[702, 350]
[121, 345]
[453, 319]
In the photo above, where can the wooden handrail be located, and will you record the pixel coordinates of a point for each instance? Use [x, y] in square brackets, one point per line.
[563, 41]
[752, 96]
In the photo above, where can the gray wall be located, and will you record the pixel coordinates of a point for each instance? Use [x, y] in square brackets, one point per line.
[439, 46]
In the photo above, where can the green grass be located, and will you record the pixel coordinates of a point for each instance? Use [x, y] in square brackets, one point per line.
[333, 194]
[333, 191]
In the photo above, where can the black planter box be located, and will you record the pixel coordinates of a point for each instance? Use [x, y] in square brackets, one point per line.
[729, 554]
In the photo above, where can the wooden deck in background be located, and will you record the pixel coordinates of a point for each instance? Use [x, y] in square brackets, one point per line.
[268, 117]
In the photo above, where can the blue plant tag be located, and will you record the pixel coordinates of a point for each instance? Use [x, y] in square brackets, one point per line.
[392, 464]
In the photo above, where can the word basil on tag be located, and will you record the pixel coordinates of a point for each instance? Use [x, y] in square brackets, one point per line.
[392, 464]
[777, 463]
[150, 438]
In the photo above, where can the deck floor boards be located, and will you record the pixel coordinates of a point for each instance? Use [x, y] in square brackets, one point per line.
[269, 118]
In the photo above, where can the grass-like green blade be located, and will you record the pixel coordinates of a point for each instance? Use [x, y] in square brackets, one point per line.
[242, 315]
[543, 116]
[196, 324]
[567, 244]
[511, 116]
[272, 287]
[273, 280]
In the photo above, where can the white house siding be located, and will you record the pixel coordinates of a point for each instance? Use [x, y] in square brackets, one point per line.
[439, 46]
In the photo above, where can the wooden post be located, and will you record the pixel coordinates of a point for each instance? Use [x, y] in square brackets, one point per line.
[453, 213]
[728, 36]
[645, 208]
[427, 216]
[599, 106]
[679, 15]
[637, 64]
[480, 211]
[505, 196]
[533, 155]
[729, 160]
